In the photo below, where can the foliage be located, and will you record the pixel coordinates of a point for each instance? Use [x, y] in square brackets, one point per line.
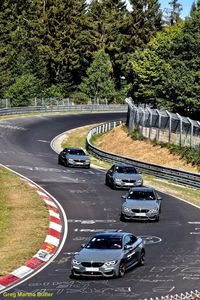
[22, 90]
[99, 84]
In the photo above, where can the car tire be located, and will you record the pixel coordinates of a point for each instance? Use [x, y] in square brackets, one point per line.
[59, 161]
[122, 269]
[142, 256]
[72, 275]
[122, 218]
[157, 218]
[66, 163]
[113, 186]
[107, 182]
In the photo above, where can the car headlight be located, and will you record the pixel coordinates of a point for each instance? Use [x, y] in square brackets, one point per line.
[153, 210]
[87, 161]
[110, 263]
[70, 160]
[117, 180]
[126, 209]
[139, 181]
[75, 262]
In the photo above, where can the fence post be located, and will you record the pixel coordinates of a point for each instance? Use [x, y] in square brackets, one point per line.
[191, 132]
[143, 120]
[159, 124]
[181, 128]
[150, 122]
[170, 126]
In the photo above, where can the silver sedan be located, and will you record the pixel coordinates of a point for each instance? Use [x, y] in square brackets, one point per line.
[108, 254]
[141, 203]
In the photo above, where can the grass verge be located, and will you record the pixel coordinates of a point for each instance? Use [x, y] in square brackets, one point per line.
[76, 138]
[24, 220]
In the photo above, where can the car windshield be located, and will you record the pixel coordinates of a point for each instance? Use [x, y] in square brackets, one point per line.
[105, 243]
[126, 170]
[141, 195]
[76, 152]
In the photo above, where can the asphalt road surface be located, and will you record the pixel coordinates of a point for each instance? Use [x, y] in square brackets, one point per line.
[172, 245]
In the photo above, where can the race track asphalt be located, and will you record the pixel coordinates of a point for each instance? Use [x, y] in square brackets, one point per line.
[172, 245]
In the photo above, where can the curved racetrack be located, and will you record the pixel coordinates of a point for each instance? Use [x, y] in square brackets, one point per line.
[172, 245]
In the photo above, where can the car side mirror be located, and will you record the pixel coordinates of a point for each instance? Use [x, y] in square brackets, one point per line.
[159, 198]
[83, 245]
[123, 197]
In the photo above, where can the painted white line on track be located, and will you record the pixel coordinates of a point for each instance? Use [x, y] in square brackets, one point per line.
[91, 221]
[196, 223]
[94, 230]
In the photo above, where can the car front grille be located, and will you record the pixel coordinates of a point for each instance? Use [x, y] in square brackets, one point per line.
[128, 181]
[140, 210]
[92, 264]
[79, 160]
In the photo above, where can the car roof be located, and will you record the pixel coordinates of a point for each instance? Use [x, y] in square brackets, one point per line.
[112, 234]
[142, 188]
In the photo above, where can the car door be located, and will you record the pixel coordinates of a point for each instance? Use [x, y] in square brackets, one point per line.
[130, 250]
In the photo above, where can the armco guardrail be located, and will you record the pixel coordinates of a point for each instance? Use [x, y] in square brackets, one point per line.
[175, 175]
[61, 108]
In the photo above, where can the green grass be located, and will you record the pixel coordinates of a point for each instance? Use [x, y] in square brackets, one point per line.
[24, 220]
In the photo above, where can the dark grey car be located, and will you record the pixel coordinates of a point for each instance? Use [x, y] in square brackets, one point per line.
[123, 176]
[141, 203]
[74, 157]
[108, 254]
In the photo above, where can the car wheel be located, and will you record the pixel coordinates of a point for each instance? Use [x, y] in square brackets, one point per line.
[107, 181]
[157, 218]
[66, 163]
[88, 167]
[72, 275]
[122, 218]
[59, 161]
[122, 269]
[113, 186]
[142, 256]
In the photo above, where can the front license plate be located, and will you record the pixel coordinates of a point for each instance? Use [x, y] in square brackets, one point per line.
[128, 183]
[140, 214]
[92, 269]
[79, 163]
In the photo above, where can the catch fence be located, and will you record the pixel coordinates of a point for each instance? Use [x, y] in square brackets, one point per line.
[163, 125]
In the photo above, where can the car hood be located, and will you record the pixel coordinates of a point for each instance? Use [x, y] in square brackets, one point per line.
[143, 204]
[127, 176]
[78, 157]
[96, 255]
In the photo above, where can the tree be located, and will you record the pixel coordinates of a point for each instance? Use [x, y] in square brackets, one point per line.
[145, 20]
[23, 90]
[98, 84]
[175, 11]
[110, 18]
[151, 68]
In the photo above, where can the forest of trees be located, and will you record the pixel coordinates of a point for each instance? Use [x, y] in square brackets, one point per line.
[101, 50]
